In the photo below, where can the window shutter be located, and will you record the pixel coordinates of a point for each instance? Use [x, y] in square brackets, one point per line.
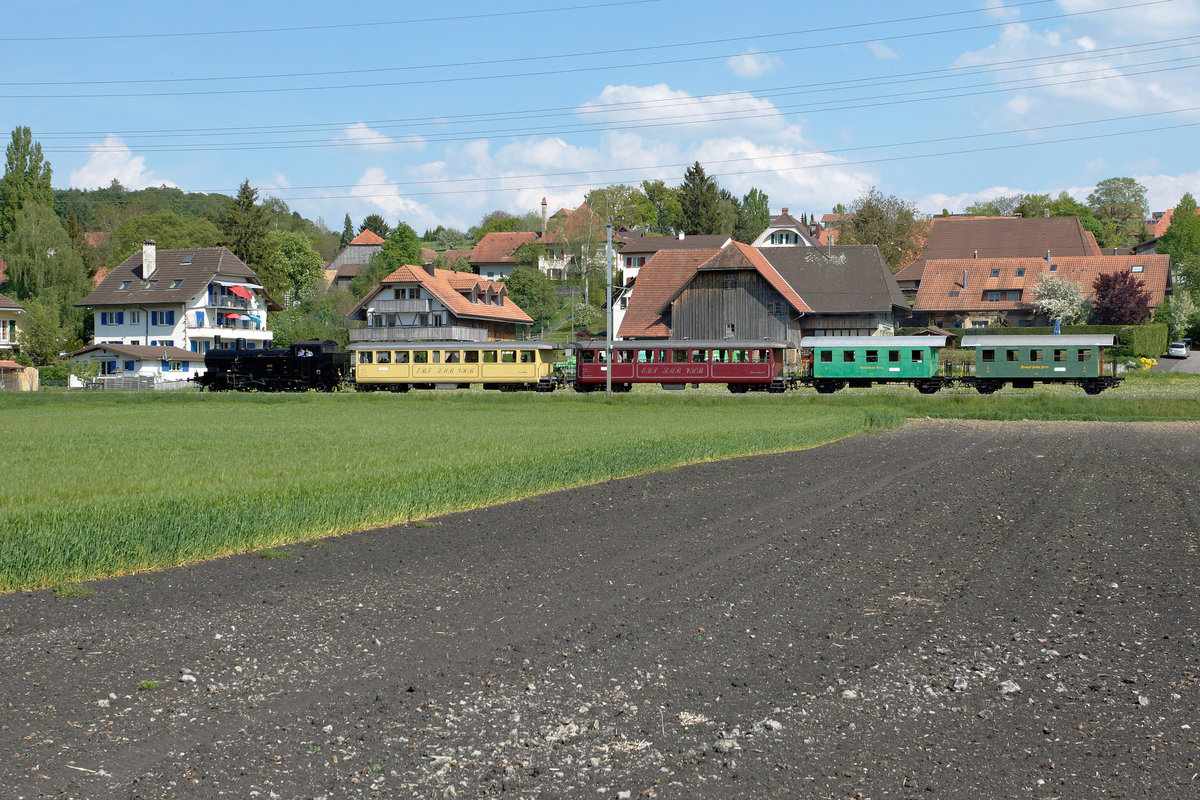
[170, 317]
[186, 364]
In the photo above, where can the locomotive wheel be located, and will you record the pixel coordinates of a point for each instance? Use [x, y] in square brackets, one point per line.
[987, 387]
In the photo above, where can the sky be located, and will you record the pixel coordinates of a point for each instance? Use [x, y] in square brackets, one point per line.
[438, 114]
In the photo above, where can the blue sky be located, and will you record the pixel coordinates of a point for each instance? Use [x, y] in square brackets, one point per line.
[439, 113]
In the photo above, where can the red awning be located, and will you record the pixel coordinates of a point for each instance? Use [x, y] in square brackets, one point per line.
[241, 291]
[233, 316]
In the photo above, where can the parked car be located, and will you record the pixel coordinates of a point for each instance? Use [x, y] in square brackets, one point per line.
[1178, 350]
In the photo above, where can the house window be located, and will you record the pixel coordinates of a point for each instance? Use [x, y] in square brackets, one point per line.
[1013, 295]
[730, 280]
[135, 317]
[124, 286]
[987, 356]
[995, 273]
[1054, 267]
[993, 297]
[729, 330]
[162, 317]
[175, 284]
[112, 317]
[1137, 268]
[1020, 272]
[129, 366]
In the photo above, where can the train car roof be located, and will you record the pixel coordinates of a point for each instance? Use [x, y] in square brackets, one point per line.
[455, 346]
[1070, 340]
[873, 341]
[683, 344]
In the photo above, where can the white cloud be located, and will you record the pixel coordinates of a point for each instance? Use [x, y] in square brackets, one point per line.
[996, 9]
[752, 64]
[112, 159]
[1164, 191]
[1171, 16]
[1020, 105]
[881, 50]
[378, 193]
[647, 105]
[361, 135]
[934, 203]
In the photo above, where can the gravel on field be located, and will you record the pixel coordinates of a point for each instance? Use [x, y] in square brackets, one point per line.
[951, 609]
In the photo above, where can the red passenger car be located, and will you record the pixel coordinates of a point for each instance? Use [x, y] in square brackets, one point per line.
[742, 365]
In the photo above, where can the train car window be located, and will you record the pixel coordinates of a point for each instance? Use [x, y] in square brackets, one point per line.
[741, 356]
[1035, 355]
[435, 356]
[699, 356]
[872, 356]
[1014, 355]
[508, 356]
[987, 356]
[420, 356]
[527, 356]
[663, 357]
[625, 356]
[848, 356]
[679, 356]
[401, 356]
[587, 356]
[645, 356]
[1085, 354]
[471, 357]
[720, 356]
[1060, 354]
[893, 356]
[826, 356]
[383, 357]
[918, 356]
[365, 356]
[453, 357]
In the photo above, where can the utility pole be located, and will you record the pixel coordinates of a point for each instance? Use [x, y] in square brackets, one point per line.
[608, 339]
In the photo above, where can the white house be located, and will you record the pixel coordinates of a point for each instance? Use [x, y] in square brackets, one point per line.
[10, 331]
[163, 364]
[193, 299]
[784, 231]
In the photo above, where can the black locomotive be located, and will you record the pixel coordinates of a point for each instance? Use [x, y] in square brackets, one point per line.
[302, 365]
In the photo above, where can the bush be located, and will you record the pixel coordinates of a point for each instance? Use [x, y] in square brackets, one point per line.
[54, 372]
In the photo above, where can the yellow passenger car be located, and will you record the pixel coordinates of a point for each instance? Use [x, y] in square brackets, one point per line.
[507, 366]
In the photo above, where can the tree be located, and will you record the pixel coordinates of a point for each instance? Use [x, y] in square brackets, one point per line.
[347, 233]
[529, 254]
[533, 292]
[621, 205]
[290, 267]
[375, 224]
[700, 202]
[26, 180]
[996, 207]
[729, 207]
[401, 247]
[44, 266]
[1178, 311]
[43, 336]
[1033, 205]
[246, 226]
[1121, 299]
[1060, 300]
[1118, 199]
[754, 216]
[667, 218]
[891, 224]
[168, 230]
[1182, 243]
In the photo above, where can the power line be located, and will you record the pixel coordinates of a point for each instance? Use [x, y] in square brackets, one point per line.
[572, 70]
[824, 106]
[340, 26]
[1056, 60]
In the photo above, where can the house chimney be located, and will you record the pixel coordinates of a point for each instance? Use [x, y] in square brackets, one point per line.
[1045, 212]
[814, 231]
[543, 216]
[785, 211]
[964, 279]
[148, 259]
[431, 269]
[977, 254]
[1048, 259]
[681, 235]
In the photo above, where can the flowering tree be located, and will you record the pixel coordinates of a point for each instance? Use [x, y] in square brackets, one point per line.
[1059, 300]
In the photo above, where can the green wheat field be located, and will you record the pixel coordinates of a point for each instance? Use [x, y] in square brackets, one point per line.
[98, 485]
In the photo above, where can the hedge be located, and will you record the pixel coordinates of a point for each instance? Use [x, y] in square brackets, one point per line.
[1149, 340]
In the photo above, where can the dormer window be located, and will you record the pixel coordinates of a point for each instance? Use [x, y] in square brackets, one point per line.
[149, 285]
[124, 286]
[1137, 268]
[995, 273]
[1020, 272]
[175, 284]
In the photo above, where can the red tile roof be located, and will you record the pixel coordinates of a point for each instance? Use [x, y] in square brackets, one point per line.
[449, 286]
[658, 280]
[428, 255]
[1000, 237]
[96, 238]
[942, 289]
[10, 365]
[578, 225]
[497, 248]
[367, 237]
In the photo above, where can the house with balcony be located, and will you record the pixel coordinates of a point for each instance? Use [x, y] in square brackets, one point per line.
[193, 299]
[430, 304]
[10, 329]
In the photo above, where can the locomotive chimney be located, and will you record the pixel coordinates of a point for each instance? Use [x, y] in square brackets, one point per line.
[149, 257]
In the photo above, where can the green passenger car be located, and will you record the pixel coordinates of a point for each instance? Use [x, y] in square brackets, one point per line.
[1024, 360]
[832, 362]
